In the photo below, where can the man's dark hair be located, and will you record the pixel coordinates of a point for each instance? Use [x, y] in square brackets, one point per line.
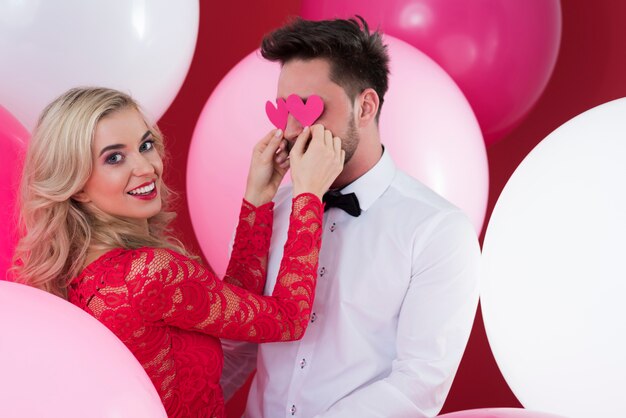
[358, 59]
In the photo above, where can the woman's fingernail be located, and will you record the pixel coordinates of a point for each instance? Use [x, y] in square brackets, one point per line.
[278, 133]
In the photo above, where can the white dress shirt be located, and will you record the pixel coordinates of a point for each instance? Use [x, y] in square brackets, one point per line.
[396, 297]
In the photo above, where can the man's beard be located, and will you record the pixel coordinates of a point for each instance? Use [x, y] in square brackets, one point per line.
[350, 141]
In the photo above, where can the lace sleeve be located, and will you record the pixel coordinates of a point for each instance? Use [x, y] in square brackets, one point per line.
[248, 263]
[167, 286]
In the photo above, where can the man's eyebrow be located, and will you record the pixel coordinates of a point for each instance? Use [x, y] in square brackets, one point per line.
[294, 94]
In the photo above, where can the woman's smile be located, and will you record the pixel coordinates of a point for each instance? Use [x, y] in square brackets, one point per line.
[146, 191]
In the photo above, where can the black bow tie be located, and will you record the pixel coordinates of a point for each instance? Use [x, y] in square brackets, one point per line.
[347, 202]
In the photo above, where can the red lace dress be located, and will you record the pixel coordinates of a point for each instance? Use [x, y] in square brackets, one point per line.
[170, 310]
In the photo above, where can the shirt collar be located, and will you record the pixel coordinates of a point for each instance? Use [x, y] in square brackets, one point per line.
[371, 185]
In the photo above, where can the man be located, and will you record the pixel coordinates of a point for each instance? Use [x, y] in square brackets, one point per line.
[398, 273]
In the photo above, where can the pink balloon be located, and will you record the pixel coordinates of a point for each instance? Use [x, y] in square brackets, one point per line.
[500, 52]
[232, 121]
[500, 413]
[58, 361]
[426, 124]
[432, 133]
[13, 139]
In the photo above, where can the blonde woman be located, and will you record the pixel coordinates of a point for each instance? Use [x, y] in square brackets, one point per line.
[94, 230]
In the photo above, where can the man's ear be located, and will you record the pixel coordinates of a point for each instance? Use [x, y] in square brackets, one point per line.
[368, 106]
[81, 197]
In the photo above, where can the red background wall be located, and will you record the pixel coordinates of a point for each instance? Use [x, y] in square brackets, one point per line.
[590, 70]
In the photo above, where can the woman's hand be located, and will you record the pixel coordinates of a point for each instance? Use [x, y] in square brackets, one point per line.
[314, 170]
[267, 169]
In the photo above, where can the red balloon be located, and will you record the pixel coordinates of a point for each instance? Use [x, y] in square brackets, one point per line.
[13, 139]
[499, 413]
[501, 53]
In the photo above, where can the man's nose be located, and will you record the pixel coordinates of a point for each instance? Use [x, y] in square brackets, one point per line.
[293, 128]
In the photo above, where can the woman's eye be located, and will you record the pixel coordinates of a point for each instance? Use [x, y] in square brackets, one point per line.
[147, 145]
[114, 158]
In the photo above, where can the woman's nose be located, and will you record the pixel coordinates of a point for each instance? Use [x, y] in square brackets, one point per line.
[142, 166]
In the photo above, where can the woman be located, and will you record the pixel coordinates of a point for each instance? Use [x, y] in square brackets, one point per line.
[94, 223]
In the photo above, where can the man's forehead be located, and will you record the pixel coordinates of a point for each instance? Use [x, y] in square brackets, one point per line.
[304, 78]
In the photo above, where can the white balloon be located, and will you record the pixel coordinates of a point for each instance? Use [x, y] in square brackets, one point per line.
[554, 270]
[142, 47]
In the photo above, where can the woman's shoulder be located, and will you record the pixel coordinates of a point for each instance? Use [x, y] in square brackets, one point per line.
[104, 256]
[107, 263]
[119, 256]
[144, 254]
[138, 260]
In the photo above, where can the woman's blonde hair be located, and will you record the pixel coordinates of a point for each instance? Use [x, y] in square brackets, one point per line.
[57, 230]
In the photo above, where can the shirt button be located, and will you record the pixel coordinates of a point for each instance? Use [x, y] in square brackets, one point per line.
[313, 317]
[302, 363]
[322, 271]
[332, 227]
[293, 410]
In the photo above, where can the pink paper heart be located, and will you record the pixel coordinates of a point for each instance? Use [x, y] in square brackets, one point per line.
[306, 113]
[277, 115]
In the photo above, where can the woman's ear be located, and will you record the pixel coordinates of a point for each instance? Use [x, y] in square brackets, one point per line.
[368, 106]
[81, 197]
